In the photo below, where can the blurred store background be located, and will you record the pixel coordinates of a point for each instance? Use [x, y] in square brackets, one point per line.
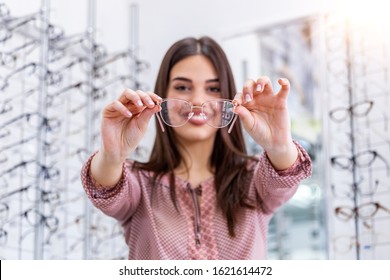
[62, 61]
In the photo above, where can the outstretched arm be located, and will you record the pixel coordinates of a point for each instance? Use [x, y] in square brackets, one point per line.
[124, 123]
[265, 117]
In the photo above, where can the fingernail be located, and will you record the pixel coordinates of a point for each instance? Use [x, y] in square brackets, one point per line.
[284, 80]
[129, 114]
[248, 97]
[139, 103]
[259, 87]
[150, 102]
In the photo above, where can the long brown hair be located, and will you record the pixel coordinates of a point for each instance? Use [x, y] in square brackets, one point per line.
[229, 157]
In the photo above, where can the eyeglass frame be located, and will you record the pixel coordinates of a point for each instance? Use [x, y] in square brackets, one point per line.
[355, 211]
[353, 240]
[43, 219]
[352, 161]
[161, 120]
[354, 187]
[351, 111]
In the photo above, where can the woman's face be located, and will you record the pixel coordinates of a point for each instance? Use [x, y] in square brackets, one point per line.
[194, 79]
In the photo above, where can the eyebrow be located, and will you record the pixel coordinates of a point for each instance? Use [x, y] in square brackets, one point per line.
[189, 80]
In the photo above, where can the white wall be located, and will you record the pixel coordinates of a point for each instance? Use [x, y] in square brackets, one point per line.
[163, 22]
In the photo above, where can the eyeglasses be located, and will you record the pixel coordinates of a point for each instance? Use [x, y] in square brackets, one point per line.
[7, 106]
[364, 211]
[79, 40]
[140, 65]
[9, 58]
[347, 190]
[96, 91]
[52, 78]
[359, 109]
[216, 113]
[12, 24]
[362, 159]
[49, 196]
[35, 120]
[30, 168]
[34, 218]
[368, 240]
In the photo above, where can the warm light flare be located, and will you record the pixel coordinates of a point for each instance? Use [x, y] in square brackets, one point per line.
[366, 13]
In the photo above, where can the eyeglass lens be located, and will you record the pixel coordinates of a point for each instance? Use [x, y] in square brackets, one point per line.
[216, 113]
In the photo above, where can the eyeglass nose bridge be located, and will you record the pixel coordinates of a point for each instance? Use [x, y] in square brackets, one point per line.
[197, 107]
[191, 113]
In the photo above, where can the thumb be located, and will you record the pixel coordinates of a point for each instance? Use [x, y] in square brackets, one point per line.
[145, 116]
[284, 89]
[245, 117]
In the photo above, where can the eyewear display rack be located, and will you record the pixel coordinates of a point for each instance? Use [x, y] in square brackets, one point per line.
[291, 49]
[358, 149]
[53, 87]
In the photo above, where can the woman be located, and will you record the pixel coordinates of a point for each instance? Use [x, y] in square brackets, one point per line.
[200, 196]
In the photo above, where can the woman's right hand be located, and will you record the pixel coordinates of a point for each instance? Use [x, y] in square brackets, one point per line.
[124, 123]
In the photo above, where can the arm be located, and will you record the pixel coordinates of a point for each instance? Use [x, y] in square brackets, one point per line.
[265, 117]
[106, 176]
[275, 187]
[119, 200]
[124, 123]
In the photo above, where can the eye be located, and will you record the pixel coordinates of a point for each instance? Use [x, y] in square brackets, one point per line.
[182, 88]
[214, 89]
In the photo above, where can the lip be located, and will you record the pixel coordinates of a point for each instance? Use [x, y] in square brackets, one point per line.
[197, 119]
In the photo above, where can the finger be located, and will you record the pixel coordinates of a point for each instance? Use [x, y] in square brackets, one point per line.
[248, 91]
[245, 117]
[154, 96]
[238, 98]
[146, 115]
[284, 89]
[130, 96]
[264, 85]
[146, 99]
[121, 108]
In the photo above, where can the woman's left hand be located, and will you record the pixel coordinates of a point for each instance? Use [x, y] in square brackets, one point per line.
[264, 114]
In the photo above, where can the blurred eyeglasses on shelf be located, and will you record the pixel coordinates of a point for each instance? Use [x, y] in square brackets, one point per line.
[343, 244]
[360, 109]
[364, 211]
[361, 159]
[362, 188]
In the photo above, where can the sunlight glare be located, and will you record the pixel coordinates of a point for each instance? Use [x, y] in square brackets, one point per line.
[366, 13]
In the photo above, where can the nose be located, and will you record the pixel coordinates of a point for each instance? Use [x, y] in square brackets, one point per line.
[198, 97]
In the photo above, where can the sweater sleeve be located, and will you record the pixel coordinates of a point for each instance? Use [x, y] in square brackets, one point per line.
[119, 201]
[276, 187]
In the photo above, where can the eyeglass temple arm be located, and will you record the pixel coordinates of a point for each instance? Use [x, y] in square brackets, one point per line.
[231, 126]
[383, 208]
[160, 122]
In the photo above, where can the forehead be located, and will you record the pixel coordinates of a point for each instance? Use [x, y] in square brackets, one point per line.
[196, 67]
